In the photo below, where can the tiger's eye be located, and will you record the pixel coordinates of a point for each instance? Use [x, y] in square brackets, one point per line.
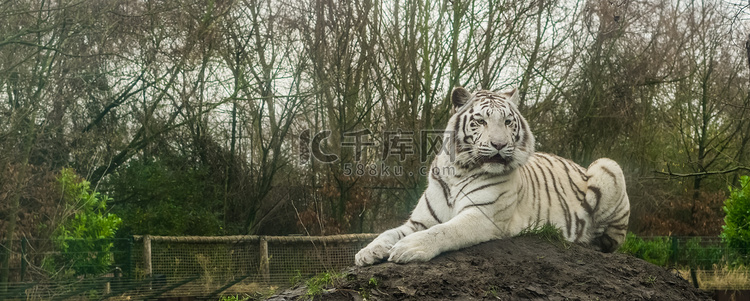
[481, 122]
[508, 121]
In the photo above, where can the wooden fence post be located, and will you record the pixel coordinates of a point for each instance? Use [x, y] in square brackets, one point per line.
[264, 264]
[147, 255]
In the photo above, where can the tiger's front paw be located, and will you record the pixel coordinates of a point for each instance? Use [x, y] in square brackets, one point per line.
[373, 253]
[419, 246]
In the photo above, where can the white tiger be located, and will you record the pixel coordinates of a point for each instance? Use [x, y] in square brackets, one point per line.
[498, 186]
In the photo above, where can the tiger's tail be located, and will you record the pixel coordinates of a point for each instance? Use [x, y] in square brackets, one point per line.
[607, 199]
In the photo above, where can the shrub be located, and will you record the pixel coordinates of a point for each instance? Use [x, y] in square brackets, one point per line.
[85, 237]
[696, 255]
[163, 197]
[657, 251]
[736, 231]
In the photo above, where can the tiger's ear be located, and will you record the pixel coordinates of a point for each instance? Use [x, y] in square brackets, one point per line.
[459, 97]
[511, 96]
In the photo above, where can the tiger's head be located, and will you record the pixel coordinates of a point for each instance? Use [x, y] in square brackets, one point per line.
[488, 131]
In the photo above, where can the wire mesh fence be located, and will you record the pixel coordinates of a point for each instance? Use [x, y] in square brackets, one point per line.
[37, 270]
[706, 262]
[149, 267]
[155, 267]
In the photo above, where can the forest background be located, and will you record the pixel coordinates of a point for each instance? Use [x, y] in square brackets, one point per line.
[219, 117]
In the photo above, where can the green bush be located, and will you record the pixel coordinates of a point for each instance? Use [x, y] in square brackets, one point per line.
[657, 251]
[163, 197]
[694, 254]
[85, 237]
[736, 231]
[661, 251]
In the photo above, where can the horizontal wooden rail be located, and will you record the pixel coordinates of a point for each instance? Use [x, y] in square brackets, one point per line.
[256, 238]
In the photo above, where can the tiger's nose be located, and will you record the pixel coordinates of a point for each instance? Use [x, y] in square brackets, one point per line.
[498, 145]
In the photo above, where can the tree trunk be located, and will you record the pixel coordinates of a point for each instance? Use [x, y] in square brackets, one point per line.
[15, 204]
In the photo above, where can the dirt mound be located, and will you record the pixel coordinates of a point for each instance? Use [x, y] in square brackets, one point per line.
[520, 268]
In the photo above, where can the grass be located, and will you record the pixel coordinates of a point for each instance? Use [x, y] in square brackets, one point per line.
[235, 298]
[364, 292]
[249, 291]
[491, 293]
[656, 251]
[714, 265]
[546, 232]
[649, 280]
[721, 278]
[321, 282]
[318, 284]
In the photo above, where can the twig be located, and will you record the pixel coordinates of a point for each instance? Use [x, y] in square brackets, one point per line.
[704, 173]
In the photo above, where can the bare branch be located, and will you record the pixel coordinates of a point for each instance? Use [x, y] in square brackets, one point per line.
[704, 173]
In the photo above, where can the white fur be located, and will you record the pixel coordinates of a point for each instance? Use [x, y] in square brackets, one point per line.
[491, 200]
